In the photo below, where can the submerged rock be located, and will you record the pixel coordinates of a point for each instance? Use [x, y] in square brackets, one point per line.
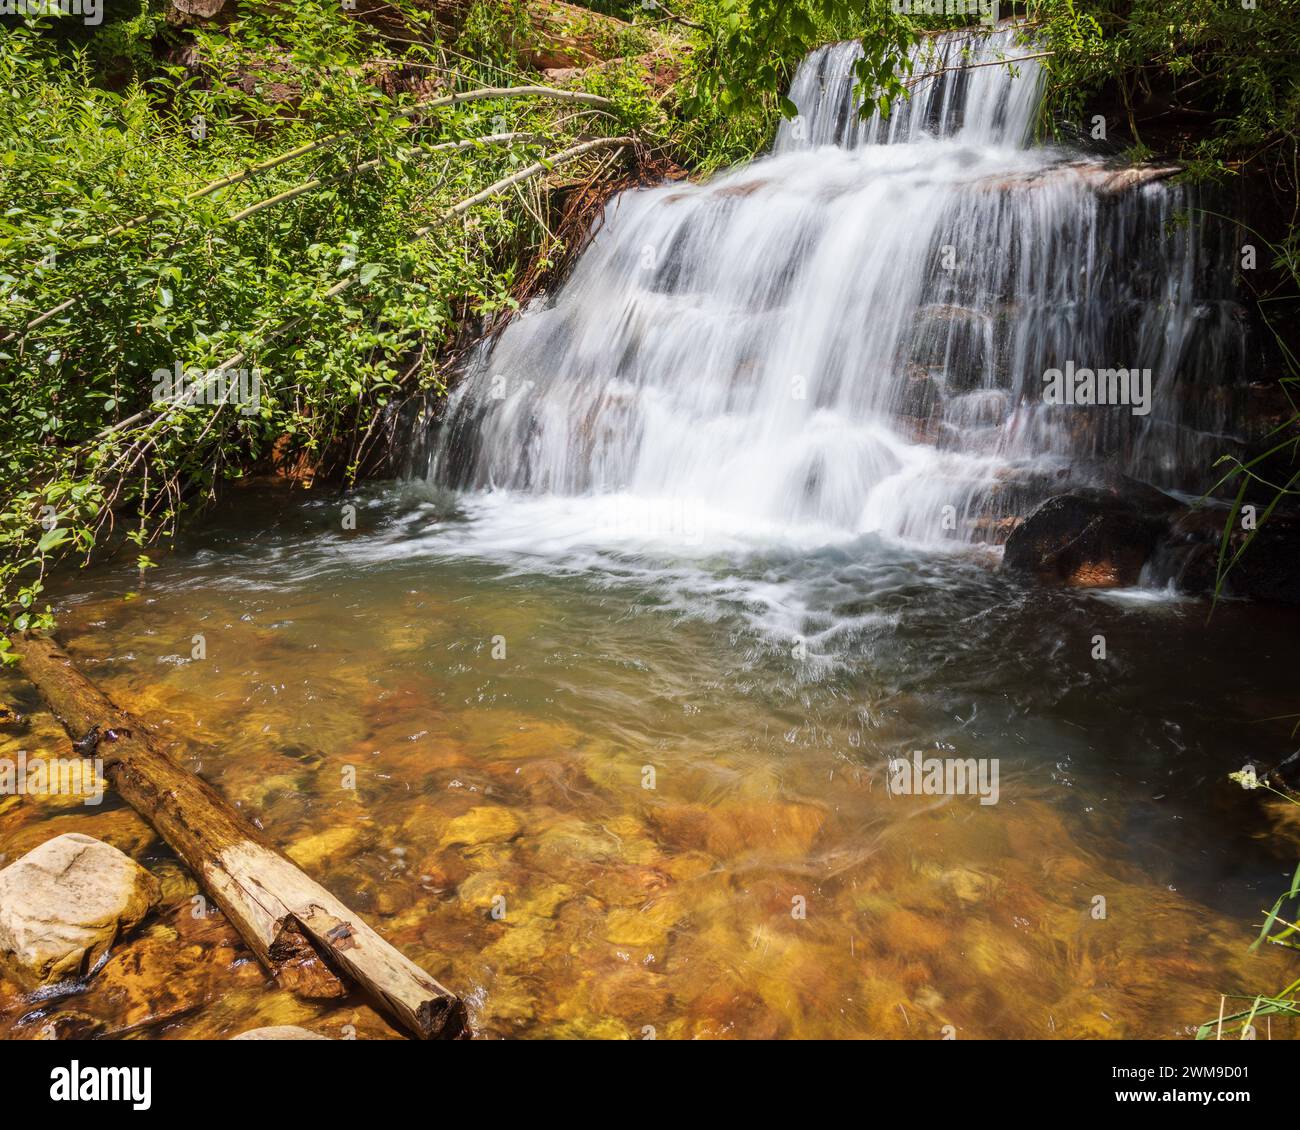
[482, 825]
[65, 1024]
[171, 970]
[1090, 538]
[732, 829]
[279, 1032]
[331, 844]
[64, 904]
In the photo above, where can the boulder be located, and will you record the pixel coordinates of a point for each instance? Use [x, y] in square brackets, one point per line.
[64, 904]
[199, 9]
[279, 1032]
[1089, 537]
[486, 824]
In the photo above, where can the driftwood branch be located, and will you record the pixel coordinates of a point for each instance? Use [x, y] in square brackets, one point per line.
[365, 166]
[544, 165]
[673, 17]
[1010, 61]
[302, 934]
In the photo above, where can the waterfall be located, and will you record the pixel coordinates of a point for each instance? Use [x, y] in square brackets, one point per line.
[852, 333]
[981, 104]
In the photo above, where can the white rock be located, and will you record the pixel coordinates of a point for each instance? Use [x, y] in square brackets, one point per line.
[64, 904]
[279, 1032]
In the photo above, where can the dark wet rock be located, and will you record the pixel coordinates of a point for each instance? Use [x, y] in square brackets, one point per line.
[1264, 408]
[1268, 570]
[1091, 537]
[1272, 430]
[1099, 476]
[955, 339]
[64, 904]
[922, 395]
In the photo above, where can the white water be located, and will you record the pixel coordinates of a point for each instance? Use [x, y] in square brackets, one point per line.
[848, 337]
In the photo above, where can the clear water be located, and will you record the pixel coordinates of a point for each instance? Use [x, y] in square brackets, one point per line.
[671, 907]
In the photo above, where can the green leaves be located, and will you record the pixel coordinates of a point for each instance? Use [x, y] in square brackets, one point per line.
[756, 44]
[52, 540]
[148, 278]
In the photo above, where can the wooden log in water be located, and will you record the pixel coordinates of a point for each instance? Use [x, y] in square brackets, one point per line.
[305, 937]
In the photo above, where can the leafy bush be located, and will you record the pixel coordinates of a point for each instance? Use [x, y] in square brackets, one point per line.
[120, 262]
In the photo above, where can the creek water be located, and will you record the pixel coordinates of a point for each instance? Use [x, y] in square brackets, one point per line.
[594, 715]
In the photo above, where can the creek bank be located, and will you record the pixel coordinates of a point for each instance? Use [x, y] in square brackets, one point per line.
[558, 39]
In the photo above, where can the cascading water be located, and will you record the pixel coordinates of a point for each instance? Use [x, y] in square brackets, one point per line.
[851, 334]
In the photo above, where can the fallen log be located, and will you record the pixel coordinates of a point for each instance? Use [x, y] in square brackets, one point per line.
[304, 936]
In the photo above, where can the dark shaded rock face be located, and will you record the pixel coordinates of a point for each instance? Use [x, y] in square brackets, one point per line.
[1092, 538]
[1106, 535]
[1268, 570]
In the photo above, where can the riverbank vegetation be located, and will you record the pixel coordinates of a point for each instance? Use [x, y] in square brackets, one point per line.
[295, 215]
